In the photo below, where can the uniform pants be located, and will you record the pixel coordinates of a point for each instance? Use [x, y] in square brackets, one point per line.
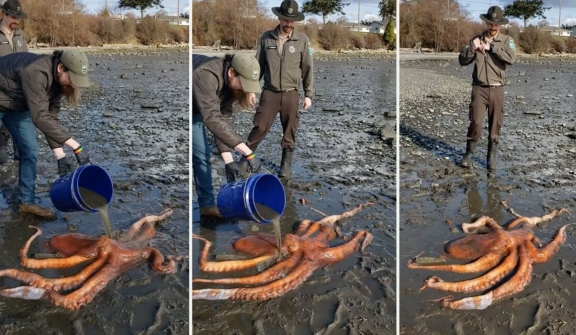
[272, 103]
[201, 167]
[484, 99]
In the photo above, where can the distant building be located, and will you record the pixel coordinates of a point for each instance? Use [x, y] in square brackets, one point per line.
[573, 32]
[556, 31]
[353, 26]
[378, 27]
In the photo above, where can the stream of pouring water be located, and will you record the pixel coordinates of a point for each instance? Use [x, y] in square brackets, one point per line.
[97, 201]
[270, 214]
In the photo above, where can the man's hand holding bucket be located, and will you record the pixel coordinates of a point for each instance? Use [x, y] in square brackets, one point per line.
[81, 155]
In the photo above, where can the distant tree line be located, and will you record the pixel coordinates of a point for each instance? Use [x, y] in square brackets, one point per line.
[213, 21]
[68, 23]
[443, 25]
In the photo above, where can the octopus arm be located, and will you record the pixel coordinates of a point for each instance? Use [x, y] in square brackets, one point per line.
[50, 263]
[336, 254]
[328, 220]
[74, 300]
[484, 221]
[268, 291]
[275, 272]
[225, 266]
[303, 227]
[477, 284]
[162, 264]
[541, 255]
[516, 284]
[57, 284]
[532, 221]
[483, 263]
[144, 229]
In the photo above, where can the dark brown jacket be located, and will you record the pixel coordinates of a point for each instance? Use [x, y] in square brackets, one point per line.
[28, 82]
[285, 72]
[212, 97]
[501, 53]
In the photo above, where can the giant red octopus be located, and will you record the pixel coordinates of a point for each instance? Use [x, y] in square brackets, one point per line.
[308, 249]
[110, 259]
[501, 251]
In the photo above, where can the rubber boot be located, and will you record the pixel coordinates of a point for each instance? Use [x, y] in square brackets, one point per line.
[286, 164]
[491, 157]
[467, 159]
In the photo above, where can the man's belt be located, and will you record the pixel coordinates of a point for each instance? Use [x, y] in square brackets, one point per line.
[491, 86]
[280, 91]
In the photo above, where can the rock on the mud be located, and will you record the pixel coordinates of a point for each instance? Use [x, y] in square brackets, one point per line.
[388, 134]
[429, 260]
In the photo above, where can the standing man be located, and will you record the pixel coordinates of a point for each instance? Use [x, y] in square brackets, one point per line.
[490, 51]
[285, 57]
[12, 40]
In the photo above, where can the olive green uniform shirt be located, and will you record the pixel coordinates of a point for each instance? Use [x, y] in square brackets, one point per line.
[490, 67]
[17, 43]
[283, 71]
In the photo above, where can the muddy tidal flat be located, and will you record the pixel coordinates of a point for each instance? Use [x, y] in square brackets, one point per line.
[134, 122]
[341, 160]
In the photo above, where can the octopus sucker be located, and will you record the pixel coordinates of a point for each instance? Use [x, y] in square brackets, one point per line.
[308, 249]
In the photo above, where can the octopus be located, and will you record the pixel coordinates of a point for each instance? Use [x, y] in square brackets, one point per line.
[499, 253]
[109, 258]
[307, 250]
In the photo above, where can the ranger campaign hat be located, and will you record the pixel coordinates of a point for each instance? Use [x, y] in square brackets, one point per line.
[495, 15]
[77, 64]
[248, 69]
[288, 10]
[13, 8]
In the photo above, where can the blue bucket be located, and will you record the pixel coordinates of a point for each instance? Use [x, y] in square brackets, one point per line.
[237, 200]
[65, 192]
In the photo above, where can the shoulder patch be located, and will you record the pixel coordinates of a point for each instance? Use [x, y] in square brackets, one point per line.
[511, 44]
[310, 50]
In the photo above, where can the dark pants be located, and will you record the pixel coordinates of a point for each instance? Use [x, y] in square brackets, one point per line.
[272, 103]
[484, 99]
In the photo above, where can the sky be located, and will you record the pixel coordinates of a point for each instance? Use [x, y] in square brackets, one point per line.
[568, 12]
[170, 6]
[368, 10]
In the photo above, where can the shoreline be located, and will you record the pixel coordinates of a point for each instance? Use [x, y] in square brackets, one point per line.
[112, 48]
